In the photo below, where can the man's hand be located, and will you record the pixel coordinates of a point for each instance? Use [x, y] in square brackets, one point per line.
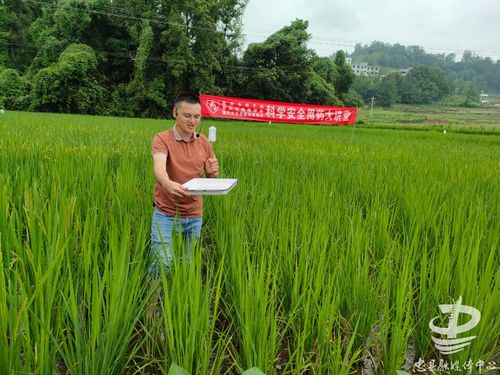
[172, 188]
[212, 167]
[175, 189]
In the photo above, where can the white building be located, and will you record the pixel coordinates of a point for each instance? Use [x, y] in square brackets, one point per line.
[483, 98]
[364, 69]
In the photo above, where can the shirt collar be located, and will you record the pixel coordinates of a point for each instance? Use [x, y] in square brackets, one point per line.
[178, 136]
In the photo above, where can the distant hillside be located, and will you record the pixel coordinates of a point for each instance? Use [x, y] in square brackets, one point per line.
[484, 72]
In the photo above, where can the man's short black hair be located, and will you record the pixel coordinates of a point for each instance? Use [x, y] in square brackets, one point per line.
[187, 97]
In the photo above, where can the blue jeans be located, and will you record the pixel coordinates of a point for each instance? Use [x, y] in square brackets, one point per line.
[162, 229]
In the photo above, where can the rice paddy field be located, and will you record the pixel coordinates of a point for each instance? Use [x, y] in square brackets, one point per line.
[330, 256]
[478, 120]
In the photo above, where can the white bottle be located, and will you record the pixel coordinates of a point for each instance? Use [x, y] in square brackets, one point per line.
[212, 134]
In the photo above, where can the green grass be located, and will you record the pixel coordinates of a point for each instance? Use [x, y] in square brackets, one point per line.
[434, 118]
[337, 245]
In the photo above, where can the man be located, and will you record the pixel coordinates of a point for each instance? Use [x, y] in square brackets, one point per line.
[179, 154]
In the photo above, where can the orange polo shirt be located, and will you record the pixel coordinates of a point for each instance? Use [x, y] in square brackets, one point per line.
[185, 160]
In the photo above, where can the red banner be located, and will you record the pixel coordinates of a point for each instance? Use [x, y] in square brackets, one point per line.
[260, 110]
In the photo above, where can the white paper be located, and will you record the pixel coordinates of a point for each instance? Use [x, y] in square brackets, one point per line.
[210, 186]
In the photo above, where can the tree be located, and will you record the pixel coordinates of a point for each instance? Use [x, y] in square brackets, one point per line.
[353, 99]
[146, 51]
[71, 20]
[471, 92]
[199, 41]
[365, 87]
[325, 68]
[15, 42]
[12, 89]
[145, 94]
[482, 71]
[424, 85]
[387, 90]
[322, 89]
[321, 92]
[345, 76]
[70, 84]
[280, 67]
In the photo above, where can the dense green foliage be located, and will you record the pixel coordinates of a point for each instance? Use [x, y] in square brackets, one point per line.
[131, 57]
[280, 67]
[483, 72]
[136, 55]
[143, 52]
[422, 85]
[337, 246]
[69, 84]
[12, 89]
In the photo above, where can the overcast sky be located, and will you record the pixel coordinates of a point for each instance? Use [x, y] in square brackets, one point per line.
[439, 26]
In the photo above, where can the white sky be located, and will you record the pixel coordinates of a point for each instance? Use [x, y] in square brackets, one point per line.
[439, 26]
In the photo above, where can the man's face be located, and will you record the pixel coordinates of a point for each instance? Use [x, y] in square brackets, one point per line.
[187, 118]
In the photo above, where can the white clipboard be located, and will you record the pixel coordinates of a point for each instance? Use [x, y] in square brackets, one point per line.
[210, 186]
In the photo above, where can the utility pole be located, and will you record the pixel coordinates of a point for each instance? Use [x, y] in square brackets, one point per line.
[371, 107]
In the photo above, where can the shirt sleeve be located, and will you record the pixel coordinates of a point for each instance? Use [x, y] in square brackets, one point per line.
[159, 146]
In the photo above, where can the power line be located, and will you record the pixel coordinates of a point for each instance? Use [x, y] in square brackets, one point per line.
[139, 16]
[158, 18]
[132, 15]
[315, 40]
[154, 60]
[335, 41]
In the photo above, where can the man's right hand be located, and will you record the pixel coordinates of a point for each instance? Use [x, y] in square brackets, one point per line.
[170, 187]
[175, 189]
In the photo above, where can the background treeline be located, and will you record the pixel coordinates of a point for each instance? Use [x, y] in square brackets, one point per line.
[433, 76]
[422, 85]
[131, 57]
[482, 71]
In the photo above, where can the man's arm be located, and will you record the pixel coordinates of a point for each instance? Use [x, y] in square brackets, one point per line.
[160, 171]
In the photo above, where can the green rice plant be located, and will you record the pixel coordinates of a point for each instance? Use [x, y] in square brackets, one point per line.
[103, 319]
[397, 323]
[251, 301]
[336, 247]
[189, 309]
